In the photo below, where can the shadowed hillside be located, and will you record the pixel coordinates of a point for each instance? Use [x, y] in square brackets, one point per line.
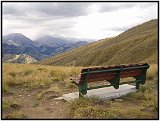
[138, 44]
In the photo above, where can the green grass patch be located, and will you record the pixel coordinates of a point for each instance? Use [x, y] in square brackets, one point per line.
[28, 72]
[6, 89]
[16, 115]
[92, 108]
[6, 104]
[12, 74]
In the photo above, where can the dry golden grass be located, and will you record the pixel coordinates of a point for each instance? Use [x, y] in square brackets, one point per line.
[39, 80]
[33, 76]
[139, 105]
[152, 71]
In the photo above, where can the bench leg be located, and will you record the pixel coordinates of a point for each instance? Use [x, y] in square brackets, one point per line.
[80, 94]
[140, 80]
[114, 83]
[82, 89]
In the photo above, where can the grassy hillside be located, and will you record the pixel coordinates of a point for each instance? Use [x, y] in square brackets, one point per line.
[28, 92]
[138, 44]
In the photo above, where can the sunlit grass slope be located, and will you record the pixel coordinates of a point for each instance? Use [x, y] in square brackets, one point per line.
[138, 44]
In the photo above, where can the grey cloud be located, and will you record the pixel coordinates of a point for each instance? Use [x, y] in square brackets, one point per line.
[110, 7]
[46, 9]
[34, 19]
[28, 18]
[15, 9]
[48, 17]
[9, 10]
[63, 9]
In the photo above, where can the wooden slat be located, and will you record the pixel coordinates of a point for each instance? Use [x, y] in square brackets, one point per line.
[101, 79]
[99, 68]
[99, 76]
[113, 67]
[130, 75]
[105, 75]
[111, 77]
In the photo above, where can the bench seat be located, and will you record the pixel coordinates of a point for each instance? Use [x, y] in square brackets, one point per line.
[111, 74]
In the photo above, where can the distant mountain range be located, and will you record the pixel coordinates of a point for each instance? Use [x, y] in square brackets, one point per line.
[52, 41]
[136, 45]
[41, 48]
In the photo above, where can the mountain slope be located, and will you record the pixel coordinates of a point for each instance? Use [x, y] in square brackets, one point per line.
[138, 44]
[30, 50]
[18, 39]
[17, 43]
[51, 41]
[22, 58]
[53, 45]
[45, 46]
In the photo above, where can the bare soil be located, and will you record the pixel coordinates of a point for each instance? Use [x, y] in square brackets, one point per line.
[25, 101]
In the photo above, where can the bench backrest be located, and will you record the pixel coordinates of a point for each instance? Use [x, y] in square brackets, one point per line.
[111, 72]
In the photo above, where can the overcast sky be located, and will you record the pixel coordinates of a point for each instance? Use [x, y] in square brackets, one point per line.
[92, 20]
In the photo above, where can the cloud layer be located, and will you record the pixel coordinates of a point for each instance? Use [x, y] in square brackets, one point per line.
[75, 19]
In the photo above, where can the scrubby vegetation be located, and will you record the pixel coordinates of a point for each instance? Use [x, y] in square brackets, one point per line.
[138, 44]
[34, 76]
[29, 91]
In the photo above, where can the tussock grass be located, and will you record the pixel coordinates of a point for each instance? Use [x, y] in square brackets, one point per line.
[16, 115]
[152, 72]
[6, 89]
[9, 106]
[45, 81]
[13, 74]
[55, 81]
[6, 104]
[90, 109]
[33, 76]
[52, 89]
[28, 72]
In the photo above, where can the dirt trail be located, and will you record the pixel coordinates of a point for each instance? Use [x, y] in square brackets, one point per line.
[45, 108]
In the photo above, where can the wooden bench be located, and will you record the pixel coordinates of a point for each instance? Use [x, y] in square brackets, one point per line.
[112, 74]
